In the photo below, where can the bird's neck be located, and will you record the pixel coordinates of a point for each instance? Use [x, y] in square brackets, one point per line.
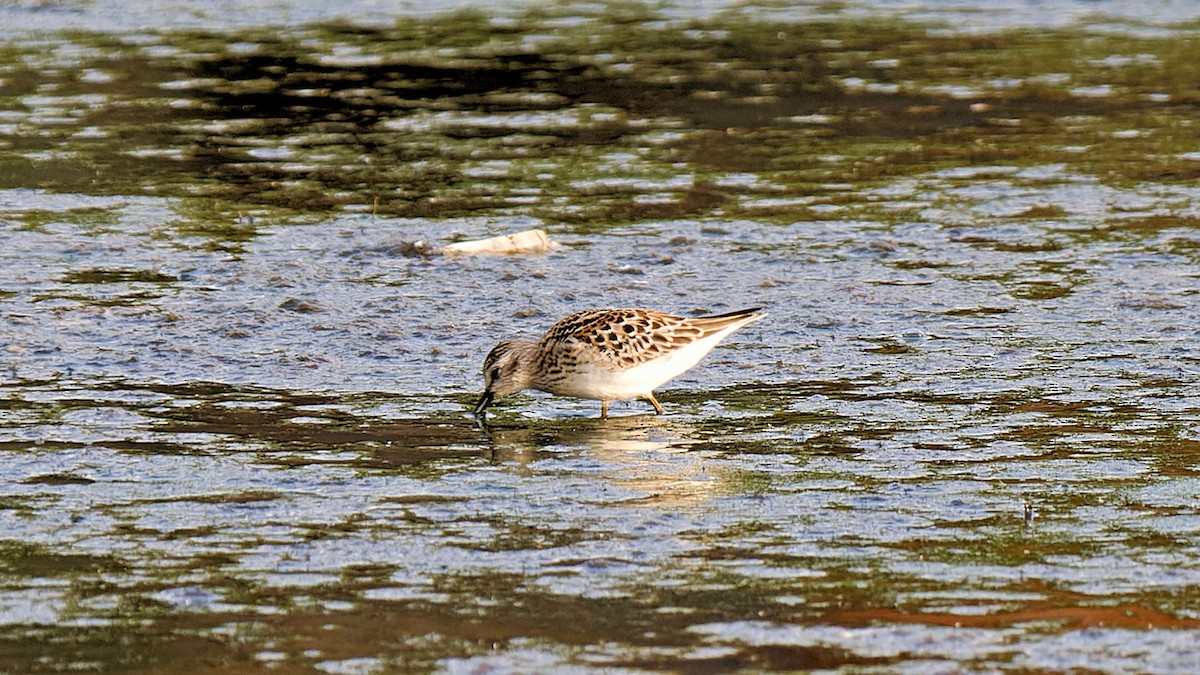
[526, 354]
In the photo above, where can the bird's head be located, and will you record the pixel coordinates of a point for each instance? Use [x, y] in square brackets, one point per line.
[507, 369]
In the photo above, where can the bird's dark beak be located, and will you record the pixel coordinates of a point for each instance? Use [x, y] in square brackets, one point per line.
[484, 403]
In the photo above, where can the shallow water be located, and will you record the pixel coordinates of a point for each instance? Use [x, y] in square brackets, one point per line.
[234, 419]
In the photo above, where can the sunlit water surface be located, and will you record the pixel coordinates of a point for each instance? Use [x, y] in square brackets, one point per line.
[235, 387]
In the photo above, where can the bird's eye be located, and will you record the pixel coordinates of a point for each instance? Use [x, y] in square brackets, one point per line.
[494, 375]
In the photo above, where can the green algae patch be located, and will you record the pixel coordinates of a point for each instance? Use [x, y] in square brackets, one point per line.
[26, 559]
[458, 115]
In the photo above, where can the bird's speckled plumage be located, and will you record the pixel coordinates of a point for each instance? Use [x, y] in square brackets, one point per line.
[607, 354]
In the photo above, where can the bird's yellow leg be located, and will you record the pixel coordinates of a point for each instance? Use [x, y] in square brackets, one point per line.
[654, 402]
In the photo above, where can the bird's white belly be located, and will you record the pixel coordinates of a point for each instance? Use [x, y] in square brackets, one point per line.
[600, 383]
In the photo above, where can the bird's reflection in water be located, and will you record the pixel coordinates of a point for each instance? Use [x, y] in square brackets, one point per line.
[658, 462]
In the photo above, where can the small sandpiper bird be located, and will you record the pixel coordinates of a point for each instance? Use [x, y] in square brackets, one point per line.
[607, 355]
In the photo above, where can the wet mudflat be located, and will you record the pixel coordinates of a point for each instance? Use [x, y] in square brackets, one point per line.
[234, 391]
